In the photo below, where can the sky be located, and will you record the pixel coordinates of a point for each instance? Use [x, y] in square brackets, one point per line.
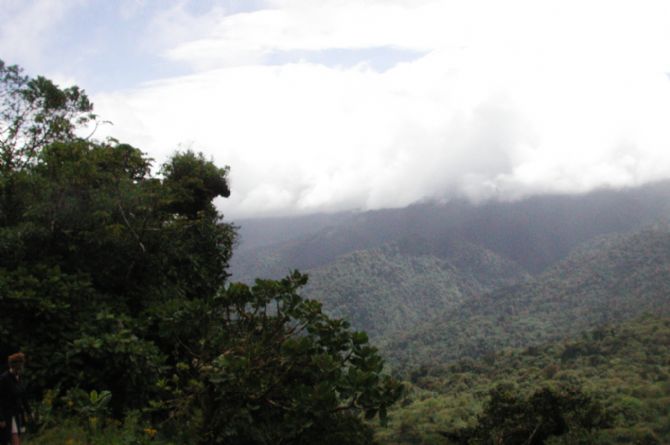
[329, 105]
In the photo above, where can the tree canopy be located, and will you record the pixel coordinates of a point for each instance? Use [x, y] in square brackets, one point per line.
[114, 279]
[35, 112]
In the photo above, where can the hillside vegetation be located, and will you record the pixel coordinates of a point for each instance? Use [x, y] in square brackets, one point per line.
[115, 282]
[393, 287]
[611, 279]
[622, 370]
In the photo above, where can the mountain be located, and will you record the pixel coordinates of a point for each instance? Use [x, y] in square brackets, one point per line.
[392, 287]
[610, 279]
[535, 233]
[259, 232]
[437, 281]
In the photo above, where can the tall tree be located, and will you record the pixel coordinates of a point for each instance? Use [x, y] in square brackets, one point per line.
[274, 369]
[114, 279]
[35, 112]
[95, 239]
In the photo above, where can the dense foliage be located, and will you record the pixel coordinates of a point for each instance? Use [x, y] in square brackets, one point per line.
[611, 279]
[34, 112]
[113, 281]
[89, 249]
[618, 374]
[270, 367]
[391, 288]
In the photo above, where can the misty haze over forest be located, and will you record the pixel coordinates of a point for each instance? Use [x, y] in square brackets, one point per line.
[343, 222]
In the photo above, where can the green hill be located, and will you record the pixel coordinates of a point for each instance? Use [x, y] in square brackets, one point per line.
[393, 287]
[609, 280]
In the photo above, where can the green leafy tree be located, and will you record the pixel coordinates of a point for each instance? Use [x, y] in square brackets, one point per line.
[35, 112]
[95, 245]
[90, 241]
[113, 279]
[273, 369]
[194, 183]
[511, 419]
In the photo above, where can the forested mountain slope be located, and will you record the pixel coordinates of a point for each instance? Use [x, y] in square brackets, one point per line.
[535, 232]
[393, 287]
[624, 368]
[609, 280]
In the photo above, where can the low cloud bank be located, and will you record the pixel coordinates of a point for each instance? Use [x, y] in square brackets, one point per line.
[497, 105]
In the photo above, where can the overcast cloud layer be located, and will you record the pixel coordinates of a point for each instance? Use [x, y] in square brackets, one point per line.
[332, 105]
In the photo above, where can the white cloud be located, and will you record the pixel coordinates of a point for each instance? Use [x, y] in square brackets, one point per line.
[313, 26]
[26, 27]
[508, 99]
[175, 23]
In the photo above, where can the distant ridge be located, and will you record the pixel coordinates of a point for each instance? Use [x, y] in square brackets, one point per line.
[534, 233]
[437, 282]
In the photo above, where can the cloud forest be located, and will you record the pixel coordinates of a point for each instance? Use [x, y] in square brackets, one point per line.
[146, 316]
